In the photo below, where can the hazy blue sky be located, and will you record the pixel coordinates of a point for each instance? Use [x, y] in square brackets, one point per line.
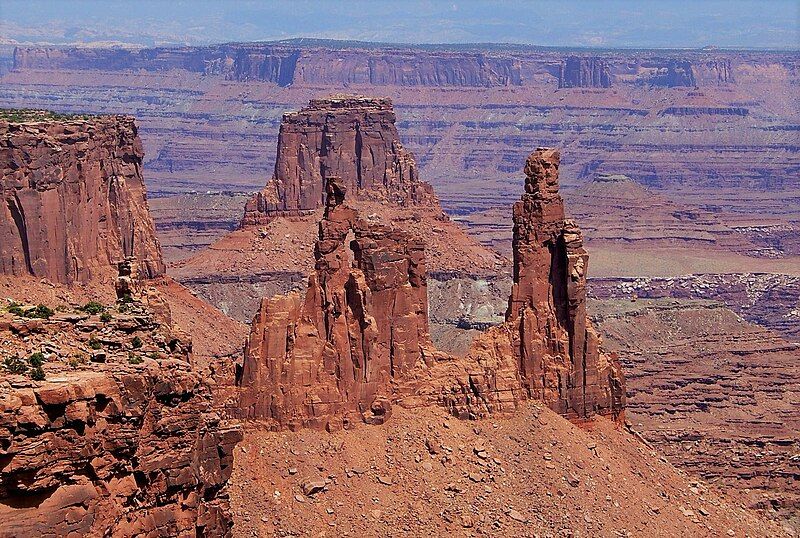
[609, 23]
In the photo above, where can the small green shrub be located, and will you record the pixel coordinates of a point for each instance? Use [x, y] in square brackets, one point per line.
[93, 307]
[39, 311]
[15, 309]
[94, 343]
[36, 359]
[15, 365]
[105, 317]
[124, 308]
[136, 342]
[126, 299]
[37, 374]
[135, 359]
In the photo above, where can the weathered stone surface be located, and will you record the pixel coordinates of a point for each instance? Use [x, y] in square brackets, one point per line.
[107, 428]
[358, 341]
[130, 446]
[557, 349]
[362, 322]
[351, 138]
[581, 72]
[72, 199]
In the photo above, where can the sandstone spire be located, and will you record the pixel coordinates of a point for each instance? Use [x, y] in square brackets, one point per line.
[362, 322]
[557, 349]
[357, 341]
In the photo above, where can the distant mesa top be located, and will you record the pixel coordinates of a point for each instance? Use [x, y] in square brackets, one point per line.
[351, 137]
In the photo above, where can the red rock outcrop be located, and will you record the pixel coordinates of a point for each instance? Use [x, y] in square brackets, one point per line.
[117, 436]
[358, 340]
[362, 322]
[352, 138]
[72, 199]
[556, 347]
[107, 426]
[580, 72]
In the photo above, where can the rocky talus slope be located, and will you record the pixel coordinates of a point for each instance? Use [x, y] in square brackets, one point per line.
[717, 395]
[424, 474]
[73, 198]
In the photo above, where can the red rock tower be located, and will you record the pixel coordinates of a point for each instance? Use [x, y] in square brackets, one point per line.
[556, 347]
[349, 137]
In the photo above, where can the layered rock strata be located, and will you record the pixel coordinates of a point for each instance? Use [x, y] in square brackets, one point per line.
[579, 72]
[351, 138]
[72, 199]
[358, 340]
[717, 395]
[285, 64]
[119, 438]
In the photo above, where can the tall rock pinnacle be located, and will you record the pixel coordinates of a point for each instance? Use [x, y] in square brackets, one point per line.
[358, 340]
[349, 137]
[557, 349]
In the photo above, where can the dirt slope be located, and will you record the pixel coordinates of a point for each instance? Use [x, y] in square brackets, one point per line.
[425, 474]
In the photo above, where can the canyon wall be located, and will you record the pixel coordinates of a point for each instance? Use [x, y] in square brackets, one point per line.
[578, 72]
[285, 64]
[107, 425]
[73, 199]
[348, 137]
[715, 394]
[318, 62]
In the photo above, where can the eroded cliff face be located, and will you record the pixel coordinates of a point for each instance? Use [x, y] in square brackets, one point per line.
[73, 200]
[107, 425]
[119, 438]
[557, 349]
[358, 341]
[580, 72]
[351, 138]
[285, 64]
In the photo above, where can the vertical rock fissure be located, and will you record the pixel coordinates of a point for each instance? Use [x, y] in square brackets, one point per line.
[358, 149]
[18, 215]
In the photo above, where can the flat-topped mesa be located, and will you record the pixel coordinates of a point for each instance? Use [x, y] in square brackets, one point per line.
[555, 346]
[350, 137]
[580, 72]
[72, 198]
